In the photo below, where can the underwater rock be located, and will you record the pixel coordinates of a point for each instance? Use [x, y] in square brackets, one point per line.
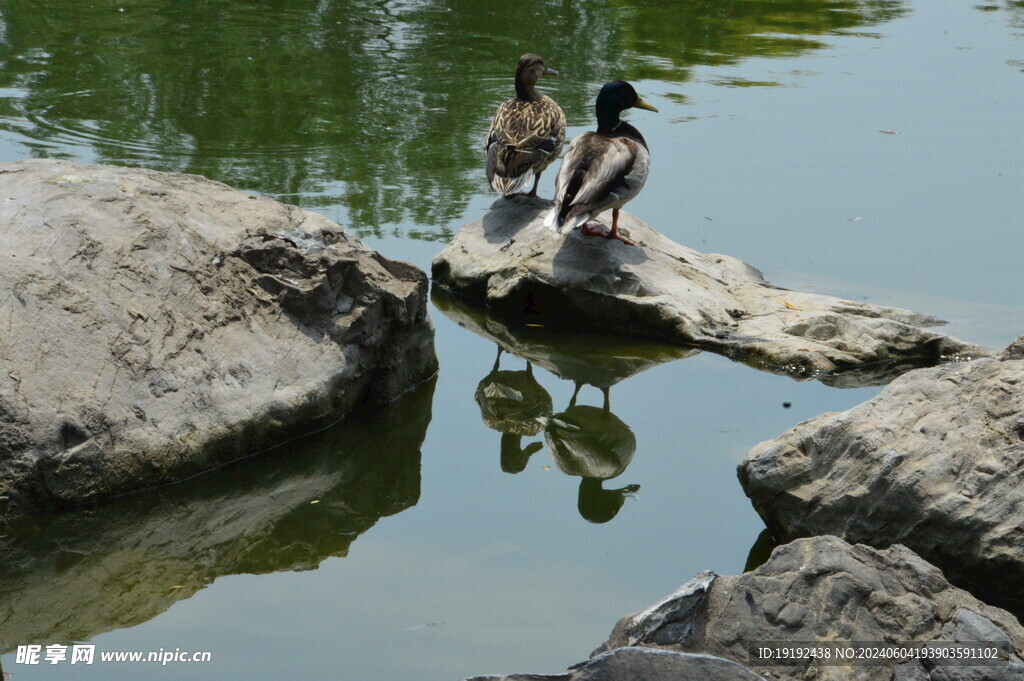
[158, 325]
[593, 359]
[643, 664]
[934, 462]
[74, 576]
[826, 590]
[660, 290]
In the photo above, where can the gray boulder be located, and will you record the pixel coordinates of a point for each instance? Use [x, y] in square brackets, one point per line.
[933, 462]
[74, 576]
[824, 590]
[157, 325]
[643, 664]
[1015, 350]
[660, 290]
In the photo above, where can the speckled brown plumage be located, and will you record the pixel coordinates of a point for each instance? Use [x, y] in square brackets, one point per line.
[526, 133]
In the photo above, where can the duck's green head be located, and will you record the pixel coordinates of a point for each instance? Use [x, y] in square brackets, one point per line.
[614, 98]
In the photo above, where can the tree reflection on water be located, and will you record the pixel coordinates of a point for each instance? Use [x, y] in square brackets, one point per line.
[376, 107]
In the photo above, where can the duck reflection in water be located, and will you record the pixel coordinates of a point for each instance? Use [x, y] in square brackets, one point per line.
[516, 405]
[595, 445]
[589, 442]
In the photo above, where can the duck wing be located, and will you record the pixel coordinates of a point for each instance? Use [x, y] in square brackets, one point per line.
[598, 172]
[524, 138]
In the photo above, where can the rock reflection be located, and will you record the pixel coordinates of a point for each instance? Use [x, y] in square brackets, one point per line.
[74, 576]
[586, 441]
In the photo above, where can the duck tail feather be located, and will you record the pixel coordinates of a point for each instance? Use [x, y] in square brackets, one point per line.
[512, 185]
[551, 219]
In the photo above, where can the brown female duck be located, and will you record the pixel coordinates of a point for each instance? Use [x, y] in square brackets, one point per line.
[526, 134]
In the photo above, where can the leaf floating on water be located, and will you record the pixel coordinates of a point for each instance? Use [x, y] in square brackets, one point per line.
[888, 132]
[315, 501]
[178, 586]
[708, 219]
[536, 326]
[547, 468]
[790, 305]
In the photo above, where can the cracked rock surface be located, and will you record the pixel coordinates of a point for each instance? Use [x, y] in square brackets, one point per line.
[154, 325]
[820, 590]
[660, 290]
[935, 462]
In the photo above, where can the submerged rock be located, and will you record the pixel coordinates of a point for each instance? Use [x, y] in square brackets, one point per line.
[825, 590]
[643, 664]
[935, 462]
[593, 359]
[660, 290]
[74, 576]
[157, 325]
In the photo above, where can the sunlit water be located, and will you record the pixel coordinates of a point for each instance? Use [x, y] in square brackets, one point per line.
[868, 150]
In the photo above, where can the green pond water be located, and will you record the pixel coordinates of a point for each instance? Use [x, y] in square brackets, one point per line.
[868, 149]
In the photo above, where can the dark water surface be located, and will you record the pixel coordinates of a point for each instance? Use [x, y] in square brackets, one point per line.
[867, 149]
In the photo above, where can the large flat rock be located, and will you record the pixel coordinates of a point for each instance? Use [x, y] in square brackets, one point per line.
[660, 290]
[157, 325]
[935, 462]
[824, 590]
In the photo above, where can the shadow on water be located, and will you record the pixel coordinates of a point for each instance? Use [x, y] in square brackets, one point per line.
[862, 376]
[71, 577]
[378, 107]
[589, 442]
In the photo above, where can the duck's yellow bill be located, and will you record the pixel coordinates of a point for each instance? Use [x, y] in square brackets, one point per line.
[641, 104]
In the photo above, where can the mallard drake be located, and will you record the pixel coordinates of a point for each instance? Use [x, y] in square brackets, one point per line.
[594, 444]
[602, 169]
[526, 133]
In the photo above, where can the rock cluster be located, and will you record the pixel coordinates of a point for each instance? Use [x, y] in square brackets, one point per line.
[934, 462]
[825, 590]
